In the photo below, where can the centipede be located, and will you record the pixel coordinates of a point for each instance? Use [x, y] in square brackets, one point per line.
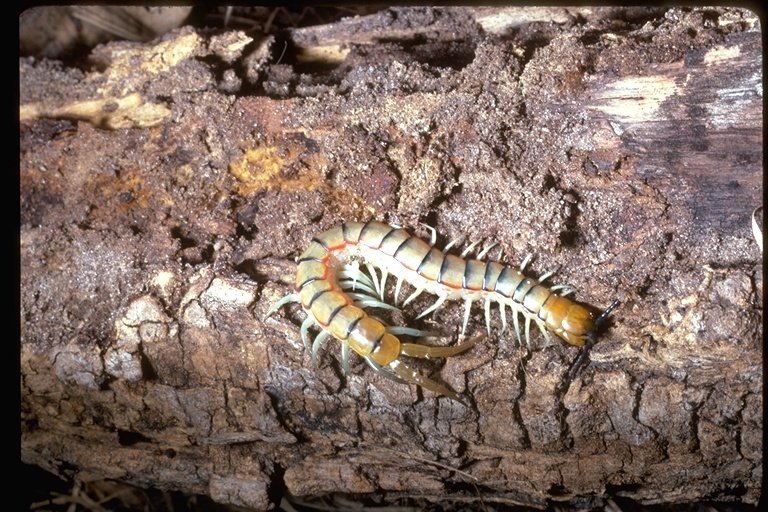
[336, 294]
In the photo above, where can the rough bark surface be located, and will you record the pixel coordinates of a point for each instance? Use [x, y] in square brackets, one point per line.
[166, 192]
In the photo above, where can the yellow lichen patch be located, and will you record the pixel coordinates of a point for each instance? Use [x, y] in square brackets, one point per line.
[286, 167]
[130, 190]
[289, 165]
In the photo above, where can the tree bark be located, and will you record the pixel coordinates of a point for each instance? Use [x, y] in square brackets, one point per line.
[164, 199]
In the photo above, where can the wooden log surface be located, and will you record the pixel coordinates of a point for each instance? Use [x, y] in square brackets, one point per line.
[166, 191]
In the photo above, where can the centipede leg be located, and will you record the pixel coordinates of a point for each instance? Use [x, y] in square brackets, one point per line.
[467, 307]
[293, 297]
[526, 261]
[345, 358]
[547, 275]
[365, 301]
[397, 330]
[408, 374]
[383, 372]
[319, 339]
[487, 307]
[397, 289]
[543, 330]
[484, 252]
[450, 244]
[353, 278]
[437, 304]
[469, 248]
[528, 332]
[432, 234]
[516, 321]
[305, 325]
[413, 296]
[372, 271]
[503, 312]
[384, 276]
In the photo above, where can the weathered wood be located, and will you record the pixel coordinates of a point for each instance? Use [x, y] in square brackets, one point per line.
[158, 229]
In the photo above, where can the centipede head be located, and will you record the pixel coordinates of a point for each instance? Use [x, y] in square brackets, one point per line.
[592, 338]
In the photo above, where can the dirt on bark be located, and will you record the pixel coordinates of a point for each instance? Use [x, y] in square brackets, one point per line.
[167, 187]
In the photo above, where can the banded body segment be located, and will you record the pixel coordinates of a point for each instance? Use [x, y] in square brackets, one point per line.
[331, 240]
[351, 231]
[393, 240]
[452, 272]
[493, 270]
[411, 253]
[474, 275]
[370, 338]
[430, 266]
[373, 233]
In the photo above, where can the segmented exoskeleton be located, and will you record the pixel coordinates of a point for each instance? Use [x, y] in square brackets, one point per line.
[328, 285]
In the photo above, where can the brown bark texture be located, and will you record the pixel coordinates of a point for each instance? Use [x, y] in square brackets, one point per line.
[167, 187]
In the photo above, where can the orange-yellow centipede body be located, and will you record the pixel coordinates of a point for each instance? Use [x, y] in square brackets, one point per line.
[335, 293]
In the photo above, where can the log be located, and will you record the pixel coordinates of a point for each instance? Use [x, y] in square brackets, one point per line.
[166, 192]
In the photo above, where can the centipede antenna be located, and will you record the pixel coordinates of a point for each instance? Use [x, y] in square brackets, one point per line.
[579, 361]
[604, 315]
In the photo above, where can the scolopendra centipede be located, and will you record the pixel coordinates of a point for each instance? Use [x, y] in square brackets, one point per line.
[329, 284]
